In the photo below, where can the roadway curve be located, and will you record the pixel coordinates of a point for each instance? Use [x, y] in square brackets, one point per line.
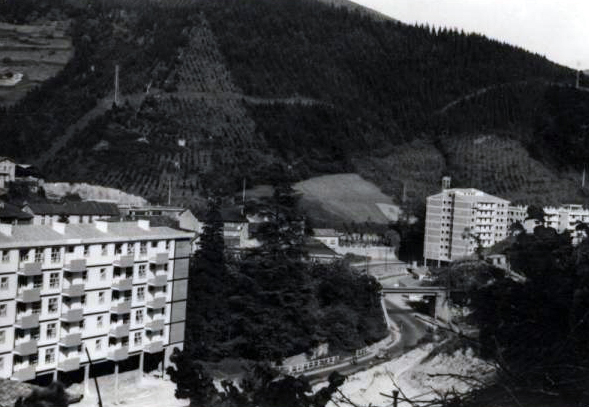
[411, 330]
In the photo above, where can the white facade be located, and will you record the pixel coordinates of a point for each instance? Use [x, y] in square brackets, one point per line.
[115, 289]
[7, 171]
[454, 216]
[563, 218]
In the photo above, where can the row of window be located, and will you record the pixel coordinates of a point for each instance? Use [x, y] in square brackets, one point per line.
[50, 352]
[38, 254]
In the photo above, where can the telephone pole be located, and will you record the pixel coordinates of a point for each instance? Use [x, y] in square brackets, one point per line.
[116, 84]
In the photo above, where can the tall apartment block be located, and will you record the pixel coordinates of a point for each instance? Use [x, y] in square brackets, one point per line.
[115, 291]
[455, 215]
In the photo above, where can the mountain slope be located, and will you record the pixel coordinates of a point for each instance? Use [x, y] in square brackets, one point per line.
[265, 89]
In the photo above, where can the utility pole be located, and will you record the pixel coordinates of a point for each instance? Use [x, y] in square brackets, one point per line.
[243, 199]
[117, 84]
[170, 191]
[95, 380]
[583, 181]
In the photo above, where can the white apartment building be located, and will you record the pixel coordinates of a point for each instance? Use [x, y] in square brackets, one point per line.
[114, 290]
[562, 218]
[454, 213]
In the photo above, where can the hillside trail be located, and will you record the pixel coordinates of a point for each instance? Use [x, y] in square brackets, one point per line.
[102, 106]
[486, 89]
[136, 99]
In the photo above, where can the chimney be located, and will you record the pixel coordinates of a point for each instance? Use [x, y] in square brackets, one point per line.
[6, 229]
[59, 227]
[446, 181]
[143, 224]
[101, 225]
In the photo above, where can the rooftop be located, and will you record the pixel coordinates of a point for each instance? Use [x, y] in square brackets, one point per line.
[75, 208]
[326, 232]
[44, 235]
[10, 211]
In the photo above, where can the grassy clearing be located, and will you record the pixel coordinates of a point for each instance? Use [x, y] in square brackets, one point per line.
[344, 197]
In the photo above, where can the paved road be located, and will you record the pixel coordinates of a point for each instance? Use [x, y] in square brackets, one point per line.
[411, 331]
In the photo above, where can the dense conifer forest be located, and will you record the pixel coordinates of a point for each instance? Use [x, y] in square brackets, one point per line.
[299, 87]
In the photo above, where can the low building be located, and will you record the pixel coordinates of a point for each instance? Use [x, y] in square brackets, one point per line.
[72, 212]
[7, 171]
[329, 237]
[12, 214]
[318, 252]
[116, 291]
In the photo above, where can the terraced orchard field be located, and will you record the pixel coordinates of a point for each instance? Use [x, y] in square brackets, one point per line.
[500, 165]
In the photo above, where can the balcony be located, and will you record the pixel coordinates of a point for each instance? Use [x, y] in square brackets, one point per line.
[159, 259]
[123, 284]
[30, 269]
[29, 295]
[121, 308]
[158, 281]
[154, 347]
[26, 348]
[73, 315]
[124, 261]
[70, 340]
[75, 290]
[75, 266]
[156, 303]
[69, 365]
[120, 331]
[118, 354]
[155, 325]
[23, 374]
[27, 321]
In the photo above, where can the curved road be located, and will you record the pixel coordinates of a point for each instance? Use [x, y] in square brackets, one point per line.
[411, 331]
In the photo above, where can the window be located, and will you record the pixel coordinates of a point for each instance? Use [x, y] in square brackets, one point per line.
[102, 274]
[125, 341]
[51, 330]
[3, 310]
[167, 245]
[54, 280]
[71, 249]
[5, 256]
[55, 255]
[33, 360]
[86, 250]
[118, 249]
[35, 333]
[82, 324]
[24, 255]
[98, 344]
[142, 248]
[83, 300]
[99, 321]
[85, 276]
[39, 255]
[2, 336]
[104, 249]
[37, 281]
[153, 244]
[139, 316]
[131, 248]
[141, 272]
[4, 283]
[101, 297]
[140, 293]
[52, 307]
[137, 338]
[37, 307]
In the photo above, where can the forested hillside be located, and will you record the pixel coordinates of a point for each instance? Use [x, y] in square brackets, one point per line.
[212, 92]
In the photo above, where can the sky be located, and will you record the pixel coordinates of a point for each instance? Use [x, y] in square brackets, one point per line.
[557, 29]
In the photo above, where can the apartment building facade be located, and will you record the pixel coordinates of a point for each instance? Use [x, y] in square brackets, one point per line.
[455, 216]
[112, 290]
[7, 171]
